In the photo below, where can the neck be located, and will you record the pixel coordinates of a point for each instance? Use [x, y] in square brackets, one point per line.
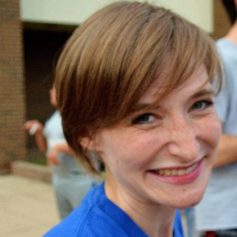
[232, 34]
[155, 220]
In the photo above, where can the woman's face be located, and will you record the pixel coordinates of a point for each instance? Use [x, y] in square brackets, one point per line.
[163, 155]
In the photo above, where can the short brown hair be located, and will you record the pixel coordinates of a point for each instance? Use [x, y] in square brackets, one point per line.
[114, 56]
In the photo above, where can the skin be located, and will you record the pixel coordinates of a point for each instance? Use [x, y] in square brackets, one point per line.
[181, 131]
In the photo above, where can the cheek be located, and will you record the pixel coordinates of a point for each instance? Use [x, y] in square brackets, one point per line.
[129, 150]
[212, 131]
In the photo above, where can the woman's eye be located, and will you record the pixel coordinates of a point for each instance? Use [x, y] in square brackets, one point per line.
[144, 119]
[202, 104]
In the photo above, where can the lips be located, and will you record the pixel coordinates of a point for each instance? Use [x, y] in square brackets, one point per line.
[178, 175]
[177, 171]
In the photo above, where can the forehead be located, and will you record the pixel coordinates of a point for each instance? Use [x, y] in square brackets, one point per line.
[158, 90]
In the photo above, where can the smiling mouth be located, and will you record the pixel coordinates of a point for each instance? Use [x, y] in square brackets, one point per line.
[169, 172]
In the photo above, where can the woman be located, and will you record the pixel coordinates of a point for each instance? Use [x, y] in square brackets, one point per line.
[134, 84]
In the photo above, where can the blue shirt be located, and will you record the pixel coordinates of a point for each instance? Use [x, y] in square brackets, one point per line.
[97, 216]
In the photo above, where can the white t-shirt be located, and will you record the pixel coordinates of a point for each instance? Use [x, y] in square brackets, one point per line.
[53, 132]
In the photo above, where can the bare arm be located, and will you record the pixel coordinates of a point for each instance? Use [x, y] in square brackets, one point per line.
[54, 152]
[64, 148]
[35, 128]
[227, 151]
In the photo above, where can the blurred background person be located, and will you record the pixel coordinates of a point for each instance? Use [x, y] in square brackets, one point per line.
[216, 215]
[70, 180]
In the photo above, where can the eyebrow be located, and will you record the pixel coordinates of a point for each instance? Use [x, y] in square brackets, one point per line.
[142, 106]
[155, 105]
[203, 92]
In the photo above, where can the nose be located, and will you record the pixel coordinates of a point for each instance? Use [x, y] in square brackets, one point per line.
[183, 139]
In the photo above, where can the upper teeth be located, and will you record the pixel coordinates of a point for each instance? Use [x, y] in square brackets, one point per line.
[177, 172]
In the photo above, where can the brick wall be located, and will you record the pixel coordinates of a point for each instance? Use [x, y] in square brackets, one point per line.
[221, 21]
[12, 108]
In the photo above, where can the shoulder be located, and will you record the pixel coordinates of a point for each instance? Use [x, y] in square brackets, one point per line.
[227, 51]
[97, 216]
[73, 224]
[88, 220]
[55, 117]
[228, 58]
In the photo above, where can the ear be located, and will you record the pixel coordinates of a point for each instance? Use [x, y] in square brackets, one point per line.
[88, 143]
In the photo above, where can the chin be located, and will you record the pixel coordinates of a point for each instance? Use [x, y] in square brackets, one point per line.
[192, 195]
[189, 203]
[188, 199]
